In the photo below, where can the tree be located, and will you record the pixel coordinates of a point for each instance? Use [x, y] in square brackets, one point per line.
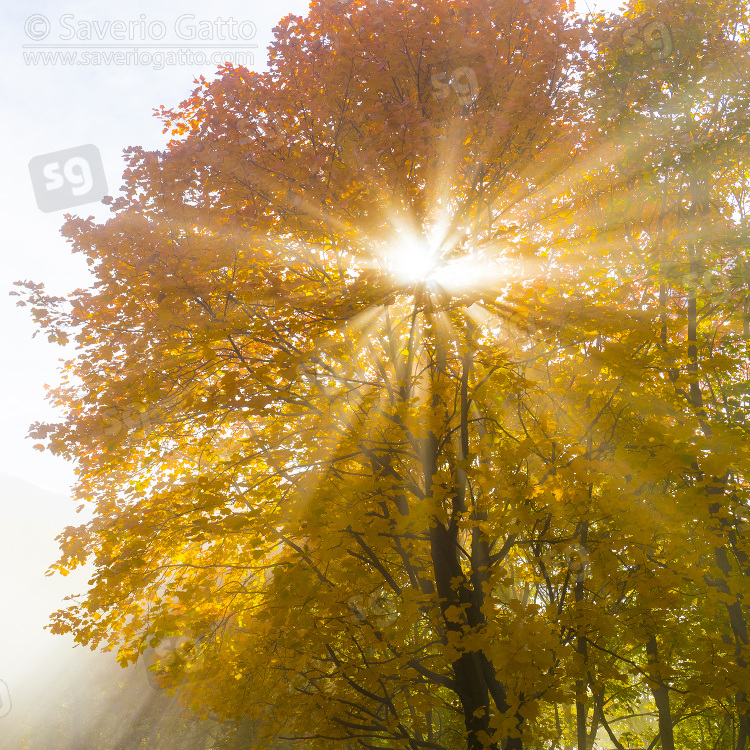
[387, 391]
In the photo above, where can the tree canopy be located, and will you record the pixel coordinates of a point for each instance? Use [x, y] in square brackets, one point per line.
[412, 388]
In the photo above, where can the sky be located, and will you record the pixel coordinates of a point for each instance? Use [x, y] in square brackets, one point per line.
[106, 70]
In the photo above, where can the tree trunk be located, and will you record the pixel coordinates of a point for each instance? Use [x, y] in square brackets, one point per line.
[473, 674]
[581, 686]
[660, 691]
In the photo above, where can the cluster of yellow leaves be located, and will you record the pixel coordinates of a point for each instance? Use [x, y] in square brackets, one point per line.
[405, 513]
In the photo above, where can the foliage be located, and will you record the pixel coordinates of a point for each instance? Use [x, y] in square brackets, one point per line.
[434, 508]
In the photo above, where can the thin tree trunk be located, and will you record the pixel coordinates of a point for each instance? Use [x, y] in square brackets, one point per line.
[581, 709]
[660, 691]
[596, 718]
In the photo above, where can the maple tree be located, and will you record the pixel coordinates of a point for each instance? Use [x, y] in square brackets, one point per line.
[412, 388]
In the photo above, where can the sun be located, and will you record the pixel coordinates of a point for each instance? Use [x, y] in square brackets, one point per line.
[442, 259]
[413, 259]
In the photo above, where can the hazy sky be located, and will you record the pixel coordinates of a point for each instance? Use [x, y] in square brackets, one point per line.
[49, 106]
